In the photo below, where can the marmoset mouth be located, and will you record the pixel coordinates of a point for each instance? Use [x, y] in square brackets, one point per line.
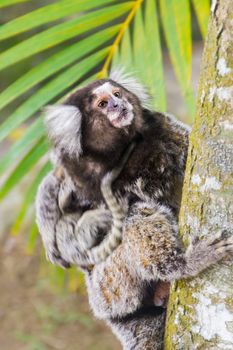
[123, 116]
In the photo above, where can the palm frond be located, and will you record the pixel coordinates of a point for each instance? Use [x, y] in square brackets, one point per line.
[202, 10]
[47, 14]
[29, 197]
[22, 169]
[32, 238]
[60, 33]
[32, 134]
[55, 63]
[176, 22]
[6, 3]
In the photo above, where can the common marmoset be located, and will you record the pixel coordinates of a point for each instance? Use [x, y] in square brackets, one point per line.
[89, 134]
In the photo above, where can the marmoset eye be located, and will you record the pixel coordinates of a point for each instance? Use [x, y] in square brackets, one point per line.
[102, 104]
[117, 94]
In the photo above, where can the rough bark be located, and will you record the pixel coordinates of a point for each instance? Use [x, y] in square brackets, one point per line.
[200, 313]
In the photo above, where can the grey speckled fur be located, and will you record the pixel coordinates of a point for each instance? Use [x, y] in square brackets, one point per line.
[140, 333]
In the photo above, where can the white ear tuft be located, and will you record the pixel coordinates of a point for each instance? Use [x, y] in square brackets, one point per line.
[129, 82]
[63, 123]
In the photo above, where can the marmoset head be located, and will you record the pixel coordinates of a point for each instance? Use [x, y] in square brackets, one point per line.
[99, 119]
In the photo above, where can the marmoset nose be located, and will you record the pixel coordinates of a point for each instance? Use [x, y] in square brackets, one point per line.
[113, 104]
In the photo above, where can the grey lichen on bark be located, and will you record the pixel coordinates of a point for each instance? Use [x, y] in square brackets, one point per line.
[200, 312]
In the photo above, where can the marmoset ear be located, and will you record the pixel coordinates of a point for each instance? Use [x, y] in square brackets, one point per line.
[63, 124]
[129, 82]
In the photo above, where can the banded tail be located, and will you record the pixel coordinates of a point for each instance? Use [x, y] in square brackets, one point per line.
[114, 238]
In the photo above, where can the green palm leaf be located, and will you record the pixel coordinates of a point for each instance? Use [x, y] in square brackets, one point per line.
[202, 10]
[34, 132]
[126, 51]
[154, 71]
[22, 169]
[55, 63]
[29, 197]
[32, 237]
[138, 41]
[60, 33]
[142, 52]
[177, 28]
[5, 3]
[147, 54]
[47, 14]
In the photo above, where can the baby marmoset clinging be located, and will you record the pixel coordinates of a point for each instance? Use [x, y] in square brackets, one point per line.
[89, 247]
[90, 133]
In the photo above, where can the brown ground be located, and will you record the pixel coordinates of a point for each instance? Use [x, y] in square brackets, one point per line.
[32, 317]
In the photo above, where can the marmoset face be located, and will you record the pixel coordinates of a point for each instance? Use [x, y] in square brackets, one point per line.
[111, 101]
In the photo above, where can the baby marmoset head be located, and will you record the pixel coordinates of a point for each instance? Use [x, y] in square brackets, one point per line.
[98, 121]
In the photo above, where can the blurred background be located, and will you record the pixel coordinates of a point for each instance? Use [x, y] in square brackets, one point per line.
[47, 49]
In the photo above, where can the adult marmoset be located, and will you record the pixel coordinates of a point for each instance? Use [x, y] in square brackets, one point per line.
[90, 133]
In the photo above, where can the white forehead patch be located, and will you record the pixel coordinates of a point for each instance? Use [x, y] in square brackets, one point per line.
[106, 88]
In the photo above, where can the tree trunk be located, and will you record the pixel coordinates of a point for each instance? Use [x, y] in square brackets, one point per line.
[200, 312]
